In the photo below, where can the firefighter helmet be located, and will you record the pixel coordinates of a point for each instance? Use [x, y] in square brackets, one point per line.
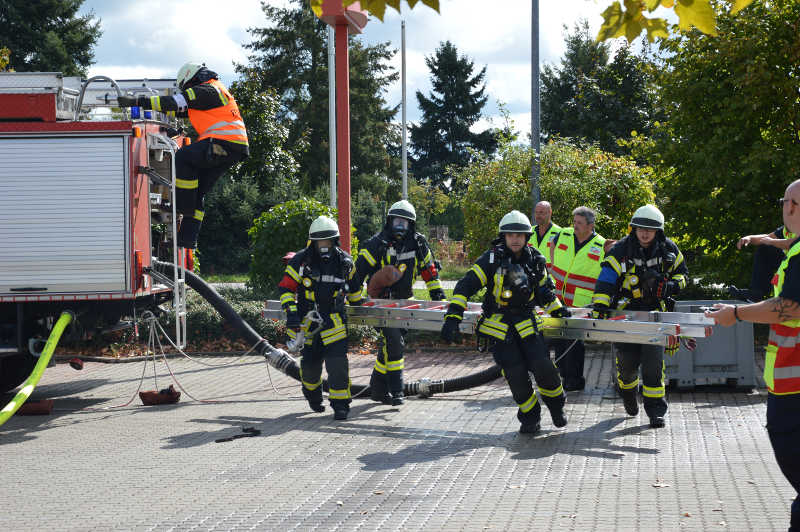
[403, 209]
[515, 222]
[187, 72]
[323, 228]
[648, 217]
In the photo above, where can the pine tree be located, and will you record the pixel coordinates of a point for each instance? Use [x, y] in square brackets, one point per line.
[291, 57]
[46, 36]
[595, 100]
[443, 136]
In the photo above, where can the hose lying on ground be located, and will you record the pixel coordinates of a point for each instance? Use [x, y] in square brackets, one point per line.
[281, 360]
[27, 388]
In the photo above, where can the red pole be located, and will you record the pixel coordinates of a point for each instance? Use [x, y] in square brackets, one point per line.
[343, 135]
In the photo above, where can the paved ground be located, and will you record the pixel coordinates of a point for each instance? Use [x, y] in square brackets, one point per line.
[453, 462]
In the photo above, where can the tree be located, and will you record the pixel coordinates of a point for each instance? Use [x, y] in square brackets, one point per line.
[443, 136]
[290, 56]
[591, 98]
[629, 22]
[733, 134]
[46, 36]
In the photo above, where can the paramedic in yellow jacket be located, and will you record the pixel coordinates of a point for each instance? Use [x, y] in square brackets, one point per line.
[576, 254]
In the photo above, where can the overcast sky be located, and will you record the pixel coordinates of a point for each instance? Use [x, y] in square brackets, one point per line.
[153, 38]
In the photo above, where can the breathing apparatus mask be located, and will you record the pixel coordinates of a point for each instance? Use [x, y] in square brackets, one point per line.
[324, 250]
[516, 286]
[400, 227]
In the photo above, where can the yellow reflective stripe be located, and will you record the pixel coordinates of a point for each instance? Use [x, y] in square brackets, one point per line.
[552, 393]
[649, 391]
[614, 263]
[628, 386]
[500, 335]
[433, 285]
[333, 330]
[287, 297]
[528, 405]
[478, 271]
[380, 367]
[456, 316]
[368, 257]
[311, 386]
[155, 103]
[291, 334]
[327, 341]
[395, 365]
[604, 299]
[458, 299]
[336, 319]
[190, 93]
[339, 394]
[681, 280]
[292, 273]
[187, 183]
[678, 261]
[354, 296]
[199, 215]
[310, 295]
[495, 320]
[555, 304]
[525, 328]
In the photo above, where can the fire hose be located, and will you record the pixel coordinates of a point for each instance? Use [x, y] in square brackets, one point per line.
[283, 362]
[27, 388]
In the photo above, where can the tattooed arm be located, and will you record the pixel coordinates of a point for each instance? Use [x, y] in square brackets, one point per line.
[775, 310]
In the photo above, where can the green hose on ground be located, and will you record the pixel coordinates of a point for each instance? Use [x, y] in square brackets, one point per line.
[38, 370]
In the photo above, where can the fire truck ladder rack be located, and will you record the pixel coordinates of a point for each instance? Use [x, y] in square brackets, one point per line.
[624, 327]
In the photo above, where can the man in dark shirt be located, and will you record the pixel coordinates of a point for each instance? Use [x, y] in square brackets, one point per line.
[770, 251]
[782, 362]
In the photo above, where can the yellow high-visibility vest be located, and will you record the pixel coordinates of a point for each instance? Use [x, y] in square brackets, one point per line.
[576, 274]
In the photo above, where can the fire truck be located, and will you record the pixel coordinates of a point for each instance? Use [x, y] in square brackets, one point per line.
[86, 206]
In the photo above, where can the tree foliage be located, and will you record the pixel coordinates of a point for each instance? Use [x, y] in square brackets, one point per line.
[377, 8]
[290, 56]
[47, 36]
[282, 229]
[570, 177]
[443, 136]
[592, 98]
[630, 21]
[733, 135]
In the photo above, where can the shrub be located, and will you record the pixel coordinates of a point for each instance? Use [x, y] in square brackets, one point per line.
[282, 229]
[570, 176]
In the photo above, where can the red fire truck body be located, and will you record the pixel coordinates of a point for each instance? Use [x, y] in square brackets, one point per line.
[79, 210]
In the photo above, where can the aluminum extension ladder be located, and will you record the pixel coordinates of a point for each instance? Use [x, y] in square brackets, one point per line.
[636, 327]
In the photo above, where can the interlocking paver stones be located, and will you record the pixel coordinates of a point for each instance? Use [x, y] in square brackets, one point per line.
[452, 462]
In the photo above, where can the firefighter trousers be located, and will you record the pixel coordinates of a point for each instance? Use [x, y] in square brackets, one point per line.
[197, 167]
[517, 356]
[387, 374]
[630, 357]
[335, 357]
[783, 427]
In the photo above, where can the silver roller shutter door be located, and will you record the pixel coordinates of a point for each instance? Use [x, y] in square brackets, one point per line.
[63, 214]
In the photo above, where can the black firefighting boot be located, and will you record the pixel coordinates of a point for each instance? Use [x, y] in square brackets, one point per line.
[530, 422]
[630, 402]
[395, 380]
[189, 231]
[340, 409]
[556, 407]
[378, 390]
[657, 422]
[314, 398]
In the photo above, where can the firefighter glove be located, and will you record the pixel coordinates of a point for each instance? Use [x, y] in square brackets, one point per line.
[437, 294]
[292, 320]
[667, 288]
[561, 312]
[600, 311]
[127, 101]
[450, 331]
[673, 343]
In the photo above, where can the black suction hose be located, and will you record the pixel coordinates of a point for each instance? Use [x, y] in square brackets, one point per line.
[281, 360]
